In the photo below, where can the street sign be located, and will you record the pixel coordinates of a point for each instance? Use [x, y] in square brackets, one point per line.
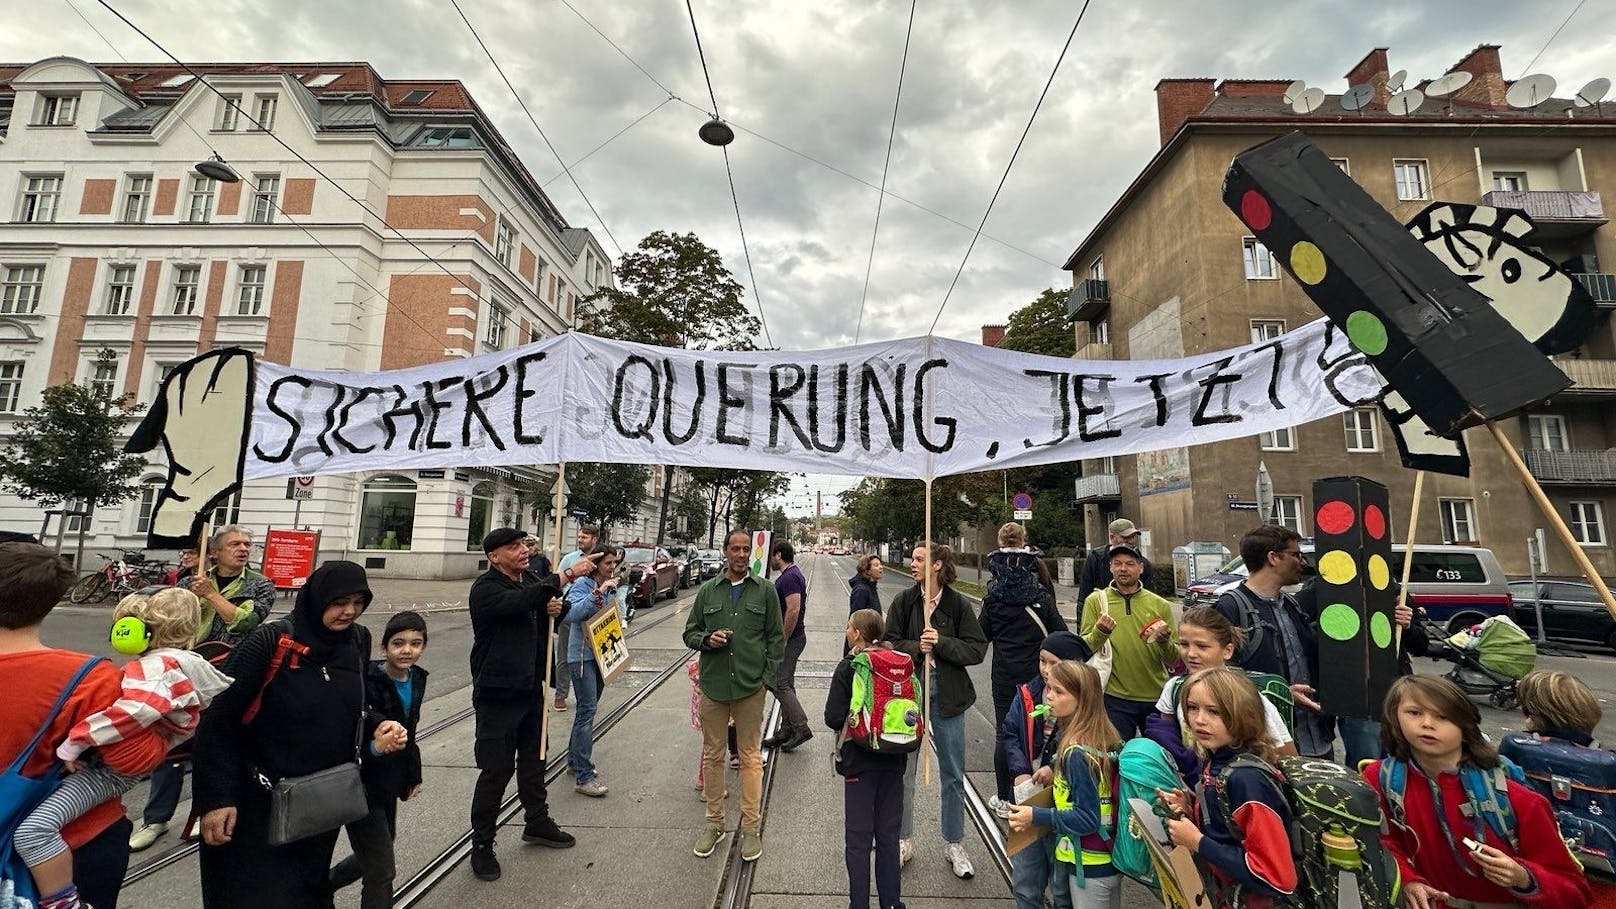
[1023, 515]
[300, 488]
[1021, 502]
[1237, 505]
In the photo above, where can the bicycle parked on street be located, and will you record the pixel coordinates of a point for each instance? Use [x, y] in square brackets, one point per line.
[118, 577]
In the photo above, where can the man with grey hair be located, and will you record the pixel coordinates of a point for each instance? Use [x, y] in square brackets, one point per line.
[1096, 573]
[235, 600]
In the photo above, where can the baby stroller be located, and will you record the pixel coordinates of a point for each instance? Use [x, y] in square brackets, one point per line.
[1488, 659]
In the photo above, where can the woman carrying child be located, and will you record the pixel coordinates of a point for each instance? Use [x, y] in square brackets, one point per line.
[1464, 833]
[1082, 823]
[1238, 822]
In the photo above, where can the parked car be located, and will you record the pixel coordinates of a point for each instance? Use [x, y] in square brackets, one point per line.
[710, 562]
[689, 573]
[1572, 611]
[652, 574]
[1457, 586]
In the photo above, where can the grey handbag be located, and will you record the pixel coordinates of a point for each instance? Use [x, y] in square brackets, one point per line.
[312, 804]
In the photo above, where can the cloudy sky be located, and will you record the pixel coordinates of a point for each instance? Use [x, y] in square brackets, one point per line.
[818, 80]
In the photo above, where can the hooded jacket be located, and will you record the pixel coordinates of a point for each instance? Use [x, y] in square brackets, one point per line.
[861, 594]
[510, 632]
[312, 709]
[1015, 635]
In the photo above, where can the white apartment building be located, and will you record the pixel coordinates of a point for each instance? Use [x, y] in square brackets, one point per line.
[109, 238]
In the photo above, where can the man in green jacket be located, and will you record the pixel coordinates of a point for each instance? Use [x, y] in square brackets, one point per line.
[1138, 625]
[736, 626]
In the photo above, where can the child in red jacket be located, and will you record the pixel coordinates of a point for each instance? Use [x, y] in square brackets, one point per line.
[1462, 830]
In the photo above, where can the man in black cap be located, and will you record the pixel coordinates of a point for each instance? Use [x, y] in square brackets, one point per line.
[511, 619]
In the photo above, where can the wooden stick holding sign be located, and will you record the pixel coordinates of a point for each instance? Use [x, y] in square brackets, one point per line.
[1557, 522]
[1408, 556]
[929, 587]
[549, 662]
[202, 551]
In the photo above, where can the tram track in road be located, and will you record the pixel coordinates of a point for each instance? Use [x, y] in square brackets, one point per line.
[184, 850]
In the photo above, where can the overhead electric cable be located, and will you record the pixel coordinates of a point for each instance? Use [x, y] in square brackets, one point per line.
[880, 196]
[1036, 107]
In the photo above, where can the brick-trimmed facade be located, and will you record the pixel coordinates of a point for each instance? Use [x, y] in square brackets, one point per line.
[97, 199]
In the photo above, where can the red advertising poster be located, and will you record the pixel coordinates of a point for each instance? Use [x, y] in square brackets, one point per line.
[289, 556]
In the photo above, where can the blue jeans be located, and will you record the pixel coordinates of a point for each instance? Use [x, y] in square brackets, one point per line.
[563, 676]
[164, 797]
[948, 735]
[1361, 738]
[1034, 870]
[586, 685]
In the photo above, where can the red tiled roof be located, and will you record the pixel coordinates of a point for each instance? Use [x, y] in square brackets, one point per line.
[352, 78]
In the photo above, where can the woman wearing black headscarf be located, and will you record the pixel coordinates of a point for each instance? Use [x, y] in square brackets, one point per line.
[310, 712]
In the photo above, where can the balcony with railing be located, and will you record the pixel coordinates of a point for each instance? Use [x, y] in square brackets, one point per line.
[1595, 379]
[1088, 300]
[1601, 287]
[1573, 468]
[1557, 213]
[1098, 487]
[1095, 350]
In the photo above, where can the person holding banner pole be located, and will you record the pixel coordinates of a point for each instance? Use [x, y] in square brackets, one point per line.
[941, 631]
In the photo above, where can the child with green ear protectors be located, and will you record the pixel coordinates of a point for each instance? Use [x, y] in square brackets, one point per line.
[164, 691]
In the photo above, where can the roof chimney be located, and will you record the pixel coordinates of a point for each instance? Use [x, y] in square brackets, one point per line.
[1178, 100]
[1373, 70]
[1488, 87]
[992, 335]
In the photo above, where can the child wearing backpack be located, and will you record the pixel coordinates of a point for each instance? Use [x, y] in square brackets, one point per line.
[1083, 822]
[1464, 829]
[872, 794]
[1238, 824]
[1206, 640]
[163, 695]
[1558, 705]
[395, 687]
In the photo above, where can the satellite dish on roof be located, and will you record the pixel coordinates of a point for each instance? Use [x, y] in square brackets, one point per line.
[1294, 91]
[1447, 85]
[1530, 91]
[1394, 84]
[1592, 93]
[1357, 96]
[1405, 102]
[1309, 101]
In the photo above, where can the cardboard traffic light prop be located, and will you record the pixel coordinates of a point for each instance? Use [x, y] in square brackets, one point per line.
[1440, 344]
[1357, 640]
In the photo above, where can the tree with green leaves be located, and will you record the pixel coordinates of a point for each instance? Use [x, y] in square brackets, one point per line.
[1041, 327]
[608, 493]
[69, 448]
[673, 290]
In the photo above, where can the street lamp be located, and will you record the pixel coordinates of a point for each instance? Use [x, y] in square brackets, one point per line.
[716, 132]
[216, 168]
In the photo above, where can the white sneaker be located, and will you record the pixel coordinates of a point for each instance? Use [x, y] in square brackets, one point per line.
[960, 861]
[906, 851]
[1000, 807]
[145, 835]
[594, 789]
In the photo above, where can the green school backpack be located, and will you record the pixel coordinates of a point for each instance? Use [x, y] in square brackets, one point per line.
[1143, 766]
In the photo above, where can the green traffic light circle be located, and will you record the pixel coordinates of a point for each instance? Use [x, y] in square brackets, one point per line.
[1366, 333]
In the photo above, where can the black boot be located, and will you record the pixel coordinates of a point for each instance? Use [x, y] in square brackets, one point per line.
[483, 862]
[781, 736]
[799, 737]
[546, 833]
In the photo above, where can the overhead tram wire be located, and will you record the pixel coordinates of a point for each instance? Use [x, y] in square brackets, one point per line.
[613, 138]
[1013, 155]
[881, 196]
[540, 130]
[729, 172]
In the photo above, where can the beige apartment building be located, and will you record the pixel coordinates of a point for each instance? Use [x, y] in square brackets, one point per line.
[1169, 271]
[110, 239]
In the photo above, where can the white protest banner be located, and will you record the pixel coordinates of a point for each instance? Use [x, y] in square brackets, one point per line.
[913, 408]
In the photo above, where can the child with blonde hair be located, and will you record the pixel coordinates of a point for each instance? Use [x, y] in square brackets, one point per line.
[164, 693]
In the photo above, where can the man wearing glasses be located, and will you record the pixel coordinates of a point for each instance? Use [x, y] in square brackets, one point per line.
[1280, 639]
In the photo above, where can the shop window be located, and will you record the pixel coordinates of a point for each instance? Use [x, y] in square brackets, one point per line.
[387, 513]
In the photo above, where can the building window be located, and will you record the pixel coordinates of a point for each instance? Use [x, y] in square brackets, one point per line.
[1363, 432]
[162, 370]
[504, 242]
[120, 290]
[229, 113]
[448, 137]
[1097, 269]
[499, 323]
[135, 198]
[387, 513]
[415, 97]
[103, 378]
[1259, 261]
[1458, 520]
[266, 190]
[482, 512]
[1100, 331]
[542, 270]
[228, 512]
[58, 110]
[250, 299]
[1546, 432]
[39, 198]
[1344, 164]
[1289, 512]
[199, 206]
[1278, 440]
[1588, 523]
[20, 293]
[149, 489]
[1266, 329]
[1509, 181]
[264, 113]
[1413, 183]
[186, 280]
[10, 386]
[1108, 465]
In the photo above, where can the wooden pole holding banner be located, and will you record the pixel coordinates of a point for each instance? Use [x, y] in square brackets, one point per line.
[929, 587]
[557, 506]
[202, 551]
[1408, 554]
[1557, 522]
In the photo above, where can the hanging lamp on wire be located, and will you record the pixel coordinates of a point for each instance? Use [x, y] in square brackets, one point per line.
[216, 168]
[716, 132]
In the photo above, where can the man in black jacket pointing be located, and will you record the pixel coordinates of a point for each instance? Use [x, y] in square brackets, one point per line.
[511, 618]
